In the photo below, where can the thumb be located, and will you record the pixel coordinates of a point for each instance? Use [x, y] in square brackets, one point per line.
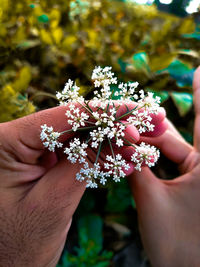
[22, 136]
[29, 127]
[145, 187]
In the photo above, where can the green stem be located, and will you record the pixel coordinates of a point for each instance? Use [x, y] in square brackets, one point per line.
[43, 94]
[86, 128]
[87, 105]
[107, 107]
[98, 153]
[90, 122]
[127, 113]
[113, 154]
[79, 129]
[86, 108]
[129, 142]
[67, 131]
[88, 140]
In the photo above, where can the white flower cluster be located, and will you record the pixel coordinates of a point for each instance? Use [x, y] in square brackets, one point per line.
[92, 175]
[76, 151]
[70, 93]
[116, 166]
[102, 127]
[50, 138]
[141, 120]
[145, 155]
[127, 91]
[76, 118]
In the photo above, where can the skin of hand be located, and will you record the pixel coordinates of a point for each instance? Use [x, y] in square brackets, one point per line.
[38, 190]
[169, 211]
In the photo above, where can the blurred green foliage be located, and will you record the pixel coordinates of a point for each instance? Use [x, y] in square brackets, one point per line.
[43, 43]
[53, 42]
[90, 253]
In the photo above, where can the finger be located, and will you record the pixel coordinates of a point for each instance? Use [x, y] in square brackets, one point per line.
[59, 189]
[131, 134]
[156, 118]
[123, 109]
[196, 86]
[171, 145]
[159, 129]
[172, 128]
[29, 127]
[159, 117]
[144, 186]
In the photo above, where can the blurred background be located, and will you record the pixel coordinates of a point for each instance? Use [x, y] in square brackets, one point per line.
[157, 43]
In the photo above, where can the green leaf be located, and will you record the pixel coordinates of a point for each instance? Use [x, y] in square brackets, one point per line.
[178, 67]
[91, 229]
[23, 79]
[181, 72]
[43, 18]
[122, 65]
[141, 61]
[133, 203]
[103, 264]
[187, 136]
[183, 102]
[86, 204]
[195, 35]
[26, 44]
[32, 5]
[118, 197]
[162, 61]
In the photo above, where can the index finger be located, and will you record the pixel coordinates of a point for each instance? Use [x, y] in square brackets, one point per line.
[196, 87]
[28, 128]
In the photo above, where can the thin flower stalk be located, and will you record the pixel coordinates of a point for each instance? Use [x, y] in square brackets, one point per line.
[102, 128]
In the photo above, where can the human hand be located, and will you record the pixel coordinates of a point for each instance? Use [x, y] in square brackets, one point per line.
[38, 190]
[169, 211]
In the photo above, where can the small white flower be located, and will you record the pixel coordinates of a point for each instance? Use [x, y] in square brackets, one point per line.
[119, 142]
[97, 137]
[50, 138]
[145, 155]
[127, 91]
[91, 175]
[103, 78]
[141, 120]
[76, 151]
[70, 93]
[116, 167]
[76, 117]
[150, 103]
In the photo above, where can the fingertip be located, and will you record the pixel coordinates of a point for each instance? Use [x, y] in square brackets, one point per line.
[159, 117]
[131, 134]
[130, 170]
[159, 129]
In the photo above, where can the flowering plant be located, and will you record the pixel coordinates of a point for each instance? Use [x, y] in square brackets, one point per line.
[103, 122]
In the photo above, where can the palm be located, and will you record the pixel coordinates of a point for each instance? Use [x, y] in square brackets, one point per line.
[169, 211]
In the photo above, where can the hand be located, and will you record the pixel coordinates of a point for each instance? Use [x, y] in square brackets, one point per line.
[38, 192]
[169, 211]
